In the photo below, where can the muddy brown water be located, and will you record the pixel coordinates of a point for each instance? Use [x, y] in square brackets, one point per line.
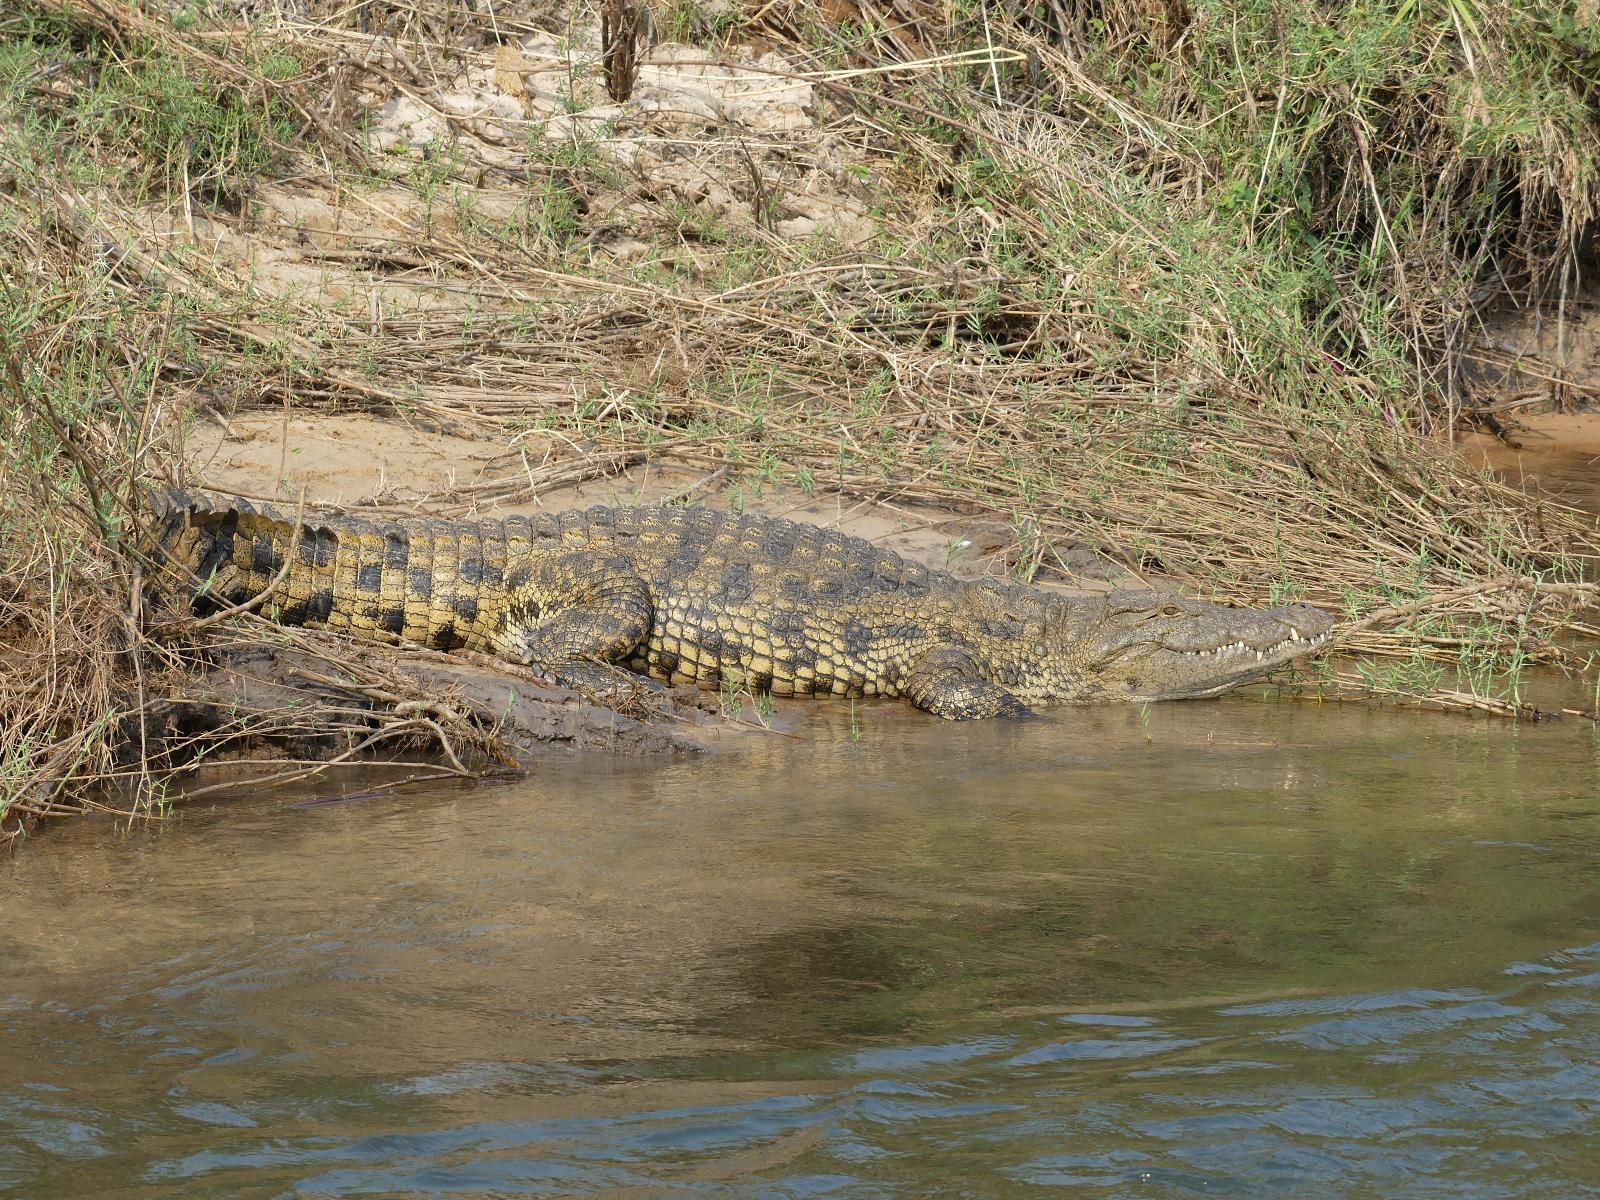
[1236, 947]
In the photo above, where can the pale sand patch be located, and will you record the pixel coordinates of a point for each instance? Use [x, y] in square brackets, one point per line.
[1556, 452]
[356, 460]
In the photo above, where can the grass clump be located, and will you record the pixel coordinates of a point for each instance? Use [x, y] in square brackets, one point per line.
[101, 101]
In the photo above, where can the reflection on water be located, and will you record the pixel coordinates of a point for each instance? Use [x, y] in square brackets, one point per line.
[1230, 948]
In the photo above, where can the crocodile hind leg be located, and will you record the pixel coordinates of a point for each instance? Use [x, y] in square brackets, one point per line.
[946, 683]
[571, 618]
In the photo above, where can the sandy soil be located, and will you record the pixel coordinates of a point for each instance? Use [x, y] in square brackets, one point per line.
[1533, 378]
[360, 461]
[737, 136]
[1557, 453]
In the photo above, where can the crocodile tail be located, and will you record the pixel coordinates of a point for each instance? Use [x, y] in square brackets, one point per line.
[158, 540]
[191, 540]
[433, 582]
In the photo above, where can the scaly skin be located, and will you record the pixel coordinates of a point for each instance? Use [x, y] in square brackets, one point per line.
[688, 595]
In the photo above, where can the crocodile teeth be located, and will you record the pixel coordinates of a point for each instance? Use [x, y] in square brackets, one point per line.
[1294, 639]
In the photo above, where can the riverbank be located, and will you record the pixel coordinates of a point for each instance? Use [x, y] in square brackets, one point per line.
[1066, 302]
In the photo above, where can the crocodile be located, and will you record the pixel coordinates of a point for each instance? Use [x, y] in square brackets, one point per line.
[692, 595]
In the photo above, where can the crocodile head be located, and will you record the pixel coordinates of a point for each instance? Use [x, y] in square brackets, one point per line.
[1146, 645]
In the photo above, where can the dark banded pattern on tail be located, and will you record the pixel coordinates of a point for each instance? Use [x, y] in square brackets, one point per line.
[434, 582]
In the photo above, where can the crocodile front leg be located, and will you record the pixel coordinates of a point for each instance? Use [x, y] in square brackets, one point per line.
[946, 683]
[573, 616]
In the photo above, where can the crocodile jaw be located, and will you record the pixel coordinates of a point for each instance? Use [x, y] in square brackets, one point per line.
[1152, 646]
[1196, 674]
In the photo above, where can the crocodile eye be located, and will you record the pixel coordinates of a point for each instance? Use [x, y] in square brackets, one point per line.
[1171, 610]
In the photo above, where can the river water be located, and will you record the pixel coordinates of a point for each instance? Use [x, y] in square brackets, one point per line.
[1231, 948]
